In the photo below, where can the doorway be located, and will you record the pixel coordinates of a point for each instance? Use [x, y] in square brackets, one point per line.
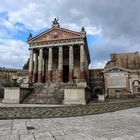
[65, 73]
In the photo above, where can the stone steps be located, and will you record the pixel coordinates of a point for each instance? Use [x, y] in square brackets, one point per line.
[48, 93]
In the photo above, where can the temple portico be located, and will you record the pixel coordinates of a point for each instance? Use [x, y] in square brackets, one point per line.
[42, 59]
[58, 55]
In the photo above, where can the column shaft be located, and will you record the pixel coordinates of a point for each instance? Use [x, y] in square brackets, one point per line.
[30, 75]
[40, 65]
[82, 70]
[35, 66]
[60, 64]
[43, 70]
[50, 64]
[71, 64]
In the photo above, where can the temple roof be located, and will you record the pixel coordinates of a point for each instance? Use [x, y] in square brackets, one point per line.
[59, 36]
[56, 33]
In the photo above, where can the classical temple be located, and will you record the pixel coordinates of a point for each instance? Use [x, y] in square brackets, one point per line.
[59, 55]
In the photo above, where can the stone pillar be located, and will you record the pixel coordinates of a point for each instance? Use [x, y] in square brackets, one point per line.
[60, 64]
[50, 59]
[82, 70]
[40, 65]
[71, 64]
[30, 76]
[43, 70]
[35, 66]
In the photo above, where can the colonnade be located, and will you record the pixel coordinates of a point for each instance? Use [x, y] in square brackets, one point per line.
[36, 64]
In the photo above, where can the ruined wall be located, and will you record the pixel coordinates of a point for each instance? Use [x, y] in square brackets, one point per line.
[7, 74]
[124, 60]
[96, 79]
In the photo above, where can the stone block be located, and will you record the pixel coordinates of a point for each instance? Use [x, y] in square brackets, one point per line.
[101, 97]
[11, 95]
[15, 94]
[76, 95]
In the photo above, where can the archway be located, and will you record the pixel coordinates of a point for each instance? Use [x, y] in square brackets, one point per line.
[136, 87]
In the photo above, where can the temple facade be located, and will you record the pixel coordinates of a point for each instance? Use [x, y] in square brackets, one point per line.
[59, 55]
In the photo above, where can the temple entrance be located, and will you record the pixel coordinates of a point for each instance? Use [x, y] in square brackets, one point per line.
[65, 73]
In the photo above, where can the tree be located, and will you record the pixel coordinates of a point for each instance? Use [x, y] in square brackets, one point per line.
[26, 65]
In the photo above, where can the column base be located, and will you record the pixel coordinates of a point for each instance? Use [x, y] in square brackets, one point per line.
[49, 75]
[71, 75]
[82, 75]
[30, 76]
[60, 76]
[35, 77]
[40, 77]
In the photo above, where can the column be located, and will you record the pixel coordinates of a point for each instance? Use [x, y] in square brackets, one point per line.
[50, 64]
[35, 66]
[40, 65]
[82, 71]
[60, 64]
[43, 70]
[71, 64]
[30, 75]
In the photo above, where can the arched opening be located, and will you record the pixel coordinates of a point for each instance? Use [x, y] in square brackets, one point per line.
[96, 91]
[136, 87]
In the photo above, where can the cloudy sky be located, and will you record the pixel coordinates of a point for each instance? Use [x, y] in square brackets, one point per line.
[113, 26]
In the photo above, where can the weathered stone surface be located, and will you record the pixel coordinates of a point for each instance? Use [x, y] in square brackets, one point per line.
[42, 111]
[48, 93]
[124, 60]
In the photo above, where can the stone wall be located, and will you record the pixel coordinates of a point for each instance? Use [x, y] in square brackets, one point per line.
[96, 80]
[124, 60]
[7, 74]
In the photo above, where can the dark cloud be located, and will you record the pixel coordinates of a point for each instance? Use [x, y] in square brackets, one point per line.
[116, 22]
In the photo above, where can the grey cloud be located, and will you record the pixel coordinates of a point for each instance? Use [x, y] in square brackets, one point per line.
[118, 20]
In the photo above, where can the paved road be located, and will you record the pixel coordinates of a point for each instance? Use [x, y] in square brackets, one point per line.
[120, 125]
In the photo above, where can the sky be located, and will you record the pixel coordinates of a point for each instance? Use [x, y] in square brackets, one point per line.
[112, 26]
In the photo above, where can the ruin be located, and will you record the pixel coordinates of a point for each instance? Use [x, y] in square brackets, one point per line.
[60, 58]
[122, 75]
[58, 55]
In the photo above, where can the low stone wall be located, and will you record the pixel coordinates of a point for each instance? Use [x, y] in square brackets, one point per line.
[76, 95]
[33, 112]
[118, 93]
[15, 94]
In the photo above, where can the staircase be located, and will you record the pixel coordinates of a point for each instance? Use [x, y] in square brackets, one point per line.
[48, 93]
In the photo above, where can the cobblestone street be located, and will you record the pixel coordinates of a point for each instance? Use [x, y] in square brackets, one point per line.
[119, 125]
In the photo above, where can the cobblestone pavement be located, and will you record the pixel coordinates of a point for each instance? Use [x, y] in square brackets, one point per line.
[40, 111]
[119, 125]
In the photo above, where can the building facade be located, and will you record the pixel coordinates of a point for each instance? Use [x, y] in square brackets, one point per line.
[122, 75]
[58, 55]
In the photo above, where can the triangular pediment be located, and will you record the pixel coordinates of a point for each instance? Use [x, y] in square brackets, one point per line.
[57, 34]
[116, 69]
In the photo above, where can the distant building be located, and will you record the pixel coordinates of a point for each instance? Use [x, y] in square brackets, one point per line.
[122, 75]
[129, 61]
[7, 74]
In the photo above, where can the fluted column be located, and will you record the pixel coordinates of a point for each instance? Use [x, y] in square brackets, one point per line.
[30, 75]
[71, 64]
[50, 64]
[35, 66]
[60, 64]
[40, 65]
[82, 71]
